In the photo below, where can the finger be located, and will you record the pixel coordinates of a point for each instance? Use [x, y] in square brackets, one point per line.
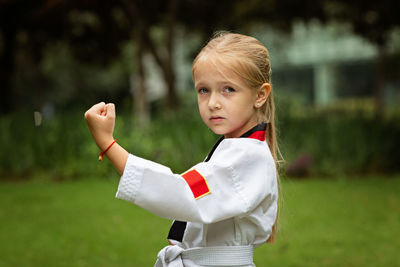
[95, 110]
[110, 109]
[98, 108]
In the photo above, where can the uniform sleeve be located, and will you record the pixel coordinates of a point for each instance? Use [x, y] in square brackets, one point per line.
[237, 178]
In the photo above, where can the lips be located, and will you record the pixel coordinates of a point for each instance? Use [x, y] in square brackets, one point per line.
[216, 118]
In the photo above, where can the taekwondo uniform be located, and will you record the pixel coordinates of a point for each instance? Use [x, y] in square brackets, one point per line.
[223, 207]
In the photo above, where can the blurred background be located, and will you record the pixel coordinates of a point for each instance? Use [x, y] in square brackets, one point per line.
[335, 75]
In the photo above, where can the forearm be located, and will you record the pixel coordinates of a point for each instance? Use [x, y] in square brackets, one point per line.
[118, 157]
[100, 119]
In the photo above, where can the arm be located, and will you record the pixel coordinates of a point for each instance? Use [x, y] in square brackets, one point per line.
[101, 120]
[118, 157]
[239, 178]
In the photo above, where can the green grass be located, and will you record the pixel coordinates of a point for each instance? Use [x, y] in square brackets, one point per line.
[342, 222]
[337, 223]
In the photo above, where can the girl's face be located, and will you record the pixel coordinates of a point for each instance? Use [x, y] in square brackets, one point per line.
[226, 103]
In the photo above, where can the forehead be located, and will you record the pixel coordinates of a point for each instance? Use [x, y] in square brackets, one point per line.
[216, 66]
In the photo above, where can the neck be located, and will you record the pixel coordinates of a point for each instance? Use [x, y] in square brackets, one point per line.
[242, 131]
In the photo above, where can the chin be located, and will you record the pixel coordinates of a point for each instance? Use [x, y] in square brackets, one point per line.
[217, 130]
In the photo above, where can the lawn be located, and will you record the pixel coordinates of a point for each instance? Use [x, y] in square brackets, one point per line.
[336, 222]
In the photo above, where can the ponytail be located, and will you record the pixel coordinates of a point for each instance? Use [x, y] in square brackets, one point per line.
[270, 136]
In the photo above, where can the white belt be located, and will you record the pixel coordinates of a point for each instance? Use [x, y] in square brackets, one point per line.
[173, 256]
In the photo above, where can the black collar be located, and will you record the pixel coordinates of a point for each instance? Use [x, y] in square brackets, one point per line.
[252, 133]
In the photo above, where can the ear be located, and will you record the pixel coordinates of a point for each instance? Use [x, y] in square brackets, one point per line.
[262, 94]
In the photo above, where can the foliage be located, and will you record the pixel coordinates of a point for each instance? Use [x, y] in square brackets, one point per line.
[62, 145]
[26, 28]
[372, 20]
[340, 139]
[339, 142]
[79, 223]
[95, 30]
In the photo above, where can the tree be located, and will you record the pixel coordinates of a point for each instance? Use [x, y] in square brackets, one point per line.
[144, 15]
[374, 21]
[94, 30]
[42, 22]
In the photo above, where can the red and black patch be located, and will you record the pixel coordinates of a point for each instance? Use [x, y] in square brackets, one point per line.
[197, 183]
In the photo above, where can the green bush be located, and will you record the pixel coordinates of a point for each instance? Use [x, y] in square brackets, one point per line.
[343, 143]
[62, 147]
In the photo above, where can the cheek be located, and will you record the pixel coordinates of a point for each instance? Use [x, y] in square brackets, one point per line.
[244, 107]
[202, 108]
[199, 103]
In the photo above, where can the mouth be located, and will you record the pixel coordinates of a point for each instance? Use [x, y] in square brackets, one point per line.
[216, 118]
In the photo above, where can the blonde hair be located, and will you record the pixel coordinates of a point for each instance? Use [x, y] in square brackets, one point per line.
[251, 62]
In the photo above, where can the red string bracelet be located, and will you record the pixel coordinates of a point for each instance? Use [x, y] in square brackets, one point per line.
[102, 153]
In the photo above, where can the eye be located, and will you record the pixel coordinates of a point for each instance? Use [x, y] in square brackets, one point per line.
[229, 90]
[202, 91]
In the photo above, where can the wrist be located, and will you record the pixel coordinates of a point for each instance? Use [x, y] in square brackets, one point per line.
[104, 143]
[103, 152]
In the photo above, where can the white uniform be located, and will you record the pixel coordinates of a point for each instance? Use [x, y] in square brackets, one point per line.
[229, 202]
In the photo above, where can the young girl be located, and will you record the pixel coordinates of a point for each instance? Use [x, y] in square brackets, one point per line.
[227, 205]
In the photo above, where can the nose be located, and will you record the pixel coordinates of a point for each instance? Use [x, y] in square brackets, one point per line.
[214, 102]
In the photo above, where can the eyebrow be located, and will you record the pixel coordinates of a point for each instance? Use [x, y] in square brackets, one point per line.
[202, 84]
